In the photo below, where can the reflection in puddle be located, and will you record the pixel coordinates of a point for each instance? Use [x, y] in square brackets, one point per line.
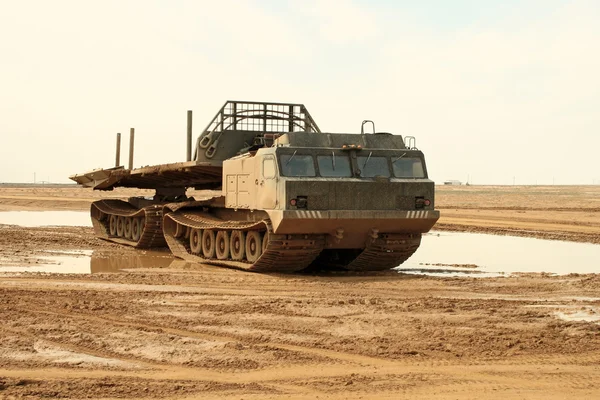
[119, 262]
[440, 254]
[73, 262]
[45, 218]
[498, 255]
[445, 272]
[85, 262]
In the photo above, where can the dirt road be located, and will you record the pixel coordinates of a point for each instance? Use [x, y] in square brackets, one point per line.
[194, 331]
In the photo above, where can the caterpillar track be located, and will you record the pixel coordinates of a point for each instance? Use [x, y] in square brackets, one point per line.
[196, 235]
[387, 251]
[120, 222]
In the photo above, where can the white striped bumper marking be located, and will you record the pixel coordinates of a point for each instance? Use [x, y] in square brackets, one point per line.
[417, 214]
[308, 214]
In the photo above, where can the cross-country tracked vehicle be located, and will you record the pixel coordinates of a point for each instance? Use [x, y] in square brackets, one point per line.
[291, 195]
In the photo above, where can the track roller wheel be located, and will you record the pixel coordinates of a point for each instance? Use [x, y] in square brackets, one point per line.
[222, 245]
[120, 226]
[265, 242]
[208, 243]
[112, 225]
[137, 226]
[196, 240]
[127, 227]
[180, 230]
[253, 246]
[237, 245]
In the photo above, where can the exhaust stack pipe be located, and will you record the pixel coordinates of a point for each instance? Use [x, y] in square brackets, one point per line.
[131, 139]
[118, 158]
[189, 136]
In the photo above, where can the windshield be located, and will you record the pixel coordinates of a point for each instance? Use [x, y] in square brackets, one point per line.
[408, 167]
[297, 165]
[373, 166]
[339, 165]
[334, 165]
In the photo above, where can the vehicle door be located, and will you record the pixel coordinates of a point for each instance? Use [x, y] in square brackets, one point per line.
[267, 183]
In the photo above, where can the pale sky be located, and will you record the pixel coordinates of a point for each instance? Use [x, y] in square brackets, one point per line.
[494, 90]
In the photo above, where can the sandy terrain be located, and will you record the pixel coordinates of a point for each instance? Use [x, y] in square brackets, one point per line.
[179, 330]
[550, 212]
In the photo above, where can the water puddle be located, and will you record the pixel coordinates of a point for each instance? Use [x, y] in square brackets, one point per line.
[572, 312]
[115, 263]
[583, 315]
[86, 262]
[45, 218]
[443, 254]
[72, 262]
[479, 255]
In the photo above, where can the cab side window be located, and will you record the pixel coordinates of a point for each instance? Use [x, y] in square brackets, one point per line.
[408, 167]
[269, 170]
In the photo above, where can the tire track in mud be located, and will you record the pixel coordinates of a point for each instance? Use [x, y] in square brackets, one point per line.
[524, 361]
[159, 371]
[448, 377]
[350, 363]
[360, 295]
[77, 348]
[450, 381]
[174, 371]
[58, 285]
[338, 355]
[327, 354]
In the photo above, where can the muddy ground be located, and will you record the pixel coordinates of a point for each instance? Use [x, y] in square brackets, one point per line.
[179, 330]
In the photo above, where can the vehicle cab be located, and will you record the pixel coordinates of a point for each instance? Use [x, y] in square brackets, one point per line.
[333, 180]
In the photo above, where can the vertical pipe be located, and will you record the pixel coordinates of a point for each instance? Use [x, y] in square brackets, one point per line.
[118, 158]
[189, 136]
[235, 116]
[265, 119]
[131, 137]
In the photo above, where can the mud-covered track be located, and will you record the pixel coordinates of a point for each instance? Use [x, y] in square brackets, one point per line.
[106, 213]
[385, 252]
[276, 253]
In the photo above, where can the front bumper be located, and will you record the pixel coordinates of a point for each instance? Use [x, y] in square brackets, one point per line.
[352, 221]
